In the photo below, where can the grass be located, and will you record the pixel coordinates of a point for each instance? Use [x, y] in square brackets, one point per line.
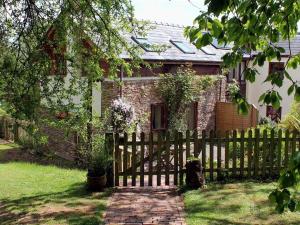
[238, 203]
[37, 194]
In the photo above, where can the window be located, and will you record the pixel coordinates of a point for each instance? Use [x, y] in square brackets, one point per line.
[192, 116]
[184, 47]
[276, 67]
[158, 116]
[216, 44]
[144, 43]
[207, 51]
[273, 114]
[237, 73]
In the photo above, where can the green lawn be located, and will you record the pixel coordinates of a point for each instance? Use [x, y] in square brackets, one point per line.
[36, 194]
[238, 203]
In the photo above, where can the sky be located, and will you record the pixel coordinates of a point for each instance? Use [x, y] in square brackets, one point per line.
[181, 12]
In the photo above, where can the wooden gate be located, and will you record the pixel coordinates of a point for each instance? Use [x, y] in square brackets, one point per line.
[150, 160]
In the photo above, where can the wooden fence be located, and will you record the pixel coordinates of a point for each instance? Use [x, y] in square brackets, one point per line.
[11, 130]
[228, 118]
[160, 158]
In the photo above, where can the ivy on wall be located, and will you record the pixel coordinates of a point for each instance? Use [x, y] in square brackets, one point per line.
[181, 88]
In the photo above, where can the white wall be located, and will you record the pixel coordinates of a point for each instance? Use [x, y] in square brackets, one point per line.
[256, 89]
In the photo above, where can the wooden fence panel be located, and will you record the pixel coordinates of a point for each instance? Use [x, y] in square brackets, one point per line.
[259, 155]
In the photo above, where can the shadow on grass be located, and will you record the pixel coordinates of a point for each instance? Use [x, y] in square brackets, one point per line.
[236, 203]
[74, 205]
[24, 155]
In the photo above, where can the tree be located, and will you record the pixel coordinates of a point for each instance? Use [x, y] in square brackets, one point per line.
[75, 35]
[251, 27]
[256, 27]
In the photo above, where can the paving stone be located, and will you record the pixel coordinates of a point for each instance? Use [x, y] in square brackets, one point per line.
[145, 206]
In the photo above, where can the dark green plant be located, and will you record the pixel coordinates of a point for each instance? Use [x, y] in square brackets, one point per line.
[286, 196]
[178, 90]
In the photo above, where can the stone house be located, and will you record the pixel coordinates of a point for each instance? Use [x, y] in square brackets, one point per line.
[140, 90]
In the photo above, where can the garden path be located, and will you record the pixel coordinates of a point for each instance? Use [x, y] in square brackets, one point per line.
[145, 206]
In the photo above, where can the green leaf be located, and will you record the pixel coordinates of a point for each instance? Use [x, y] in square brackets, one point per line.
[291, 89]
[297, 94]
[292, 205]
[217, 6]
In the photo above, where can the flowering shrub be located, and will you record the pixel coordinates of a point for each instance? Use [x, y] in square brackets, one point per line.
[122, 115]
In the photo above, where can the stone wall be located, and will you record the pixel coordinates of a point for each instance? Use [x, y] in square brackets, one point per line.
[141, 93]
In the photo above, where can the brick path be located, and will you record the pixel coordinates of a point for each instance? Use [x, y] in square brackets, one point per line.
[145, 206]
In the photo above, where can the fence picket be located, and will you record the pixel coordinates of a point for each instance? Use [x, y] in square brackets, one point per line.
[279, 146]
[180, 158]
[188, 145]
[150, 159]
[286, 148]
[234, 153]
[175, 158]
[196, 143]
[294, 142]
[256, 153]
[117, 159]
[242, 153]
[272, 152]
[158, 166]
[249, 148]
[227, 151]
[142, 167]
[125, 153]
[264, 152]
[219, 152]
[133, 158]
[211, 155]
[167, 159]
[203, 149]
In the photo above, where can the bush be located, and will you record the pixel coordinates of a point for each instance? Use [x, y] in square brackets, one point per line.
[292, 120]
[122, 115]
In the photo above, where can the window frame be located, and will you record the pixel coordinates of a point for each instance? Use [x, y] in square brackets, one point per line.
[174, 42]
[271, 64]
[279, 111]
[136, 40]
[163, 119]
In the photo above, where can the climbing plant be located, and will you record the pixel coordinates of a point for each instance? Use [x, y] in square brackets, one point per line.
[179, 89]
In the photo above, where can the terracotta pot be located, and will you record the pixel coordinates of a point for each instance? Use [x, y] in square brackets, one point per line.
[96, 183]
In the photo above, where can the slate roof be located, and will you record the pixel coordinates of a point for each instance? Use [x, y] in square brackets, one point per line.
[163, 33]
[295, 45]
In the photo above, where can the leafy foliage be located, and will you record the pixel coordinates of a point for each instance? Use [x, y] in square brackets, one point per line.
[71, 38]
[122, 115]
[179, 90]
[233, 89]
[283, 196]
[292, 120]
[252, 28]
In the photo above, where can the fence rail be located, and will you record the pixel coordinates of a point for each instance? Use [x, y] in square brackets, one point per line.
[160, 158]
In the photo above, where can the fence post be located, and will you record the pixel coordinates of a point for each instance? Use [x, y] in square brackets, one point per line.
[256, 153]
[109, 145]
[117, 160]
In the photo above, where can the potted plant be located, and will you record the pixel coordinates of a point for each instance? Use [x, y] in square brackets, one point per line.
[194, 173]
[98, 165]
